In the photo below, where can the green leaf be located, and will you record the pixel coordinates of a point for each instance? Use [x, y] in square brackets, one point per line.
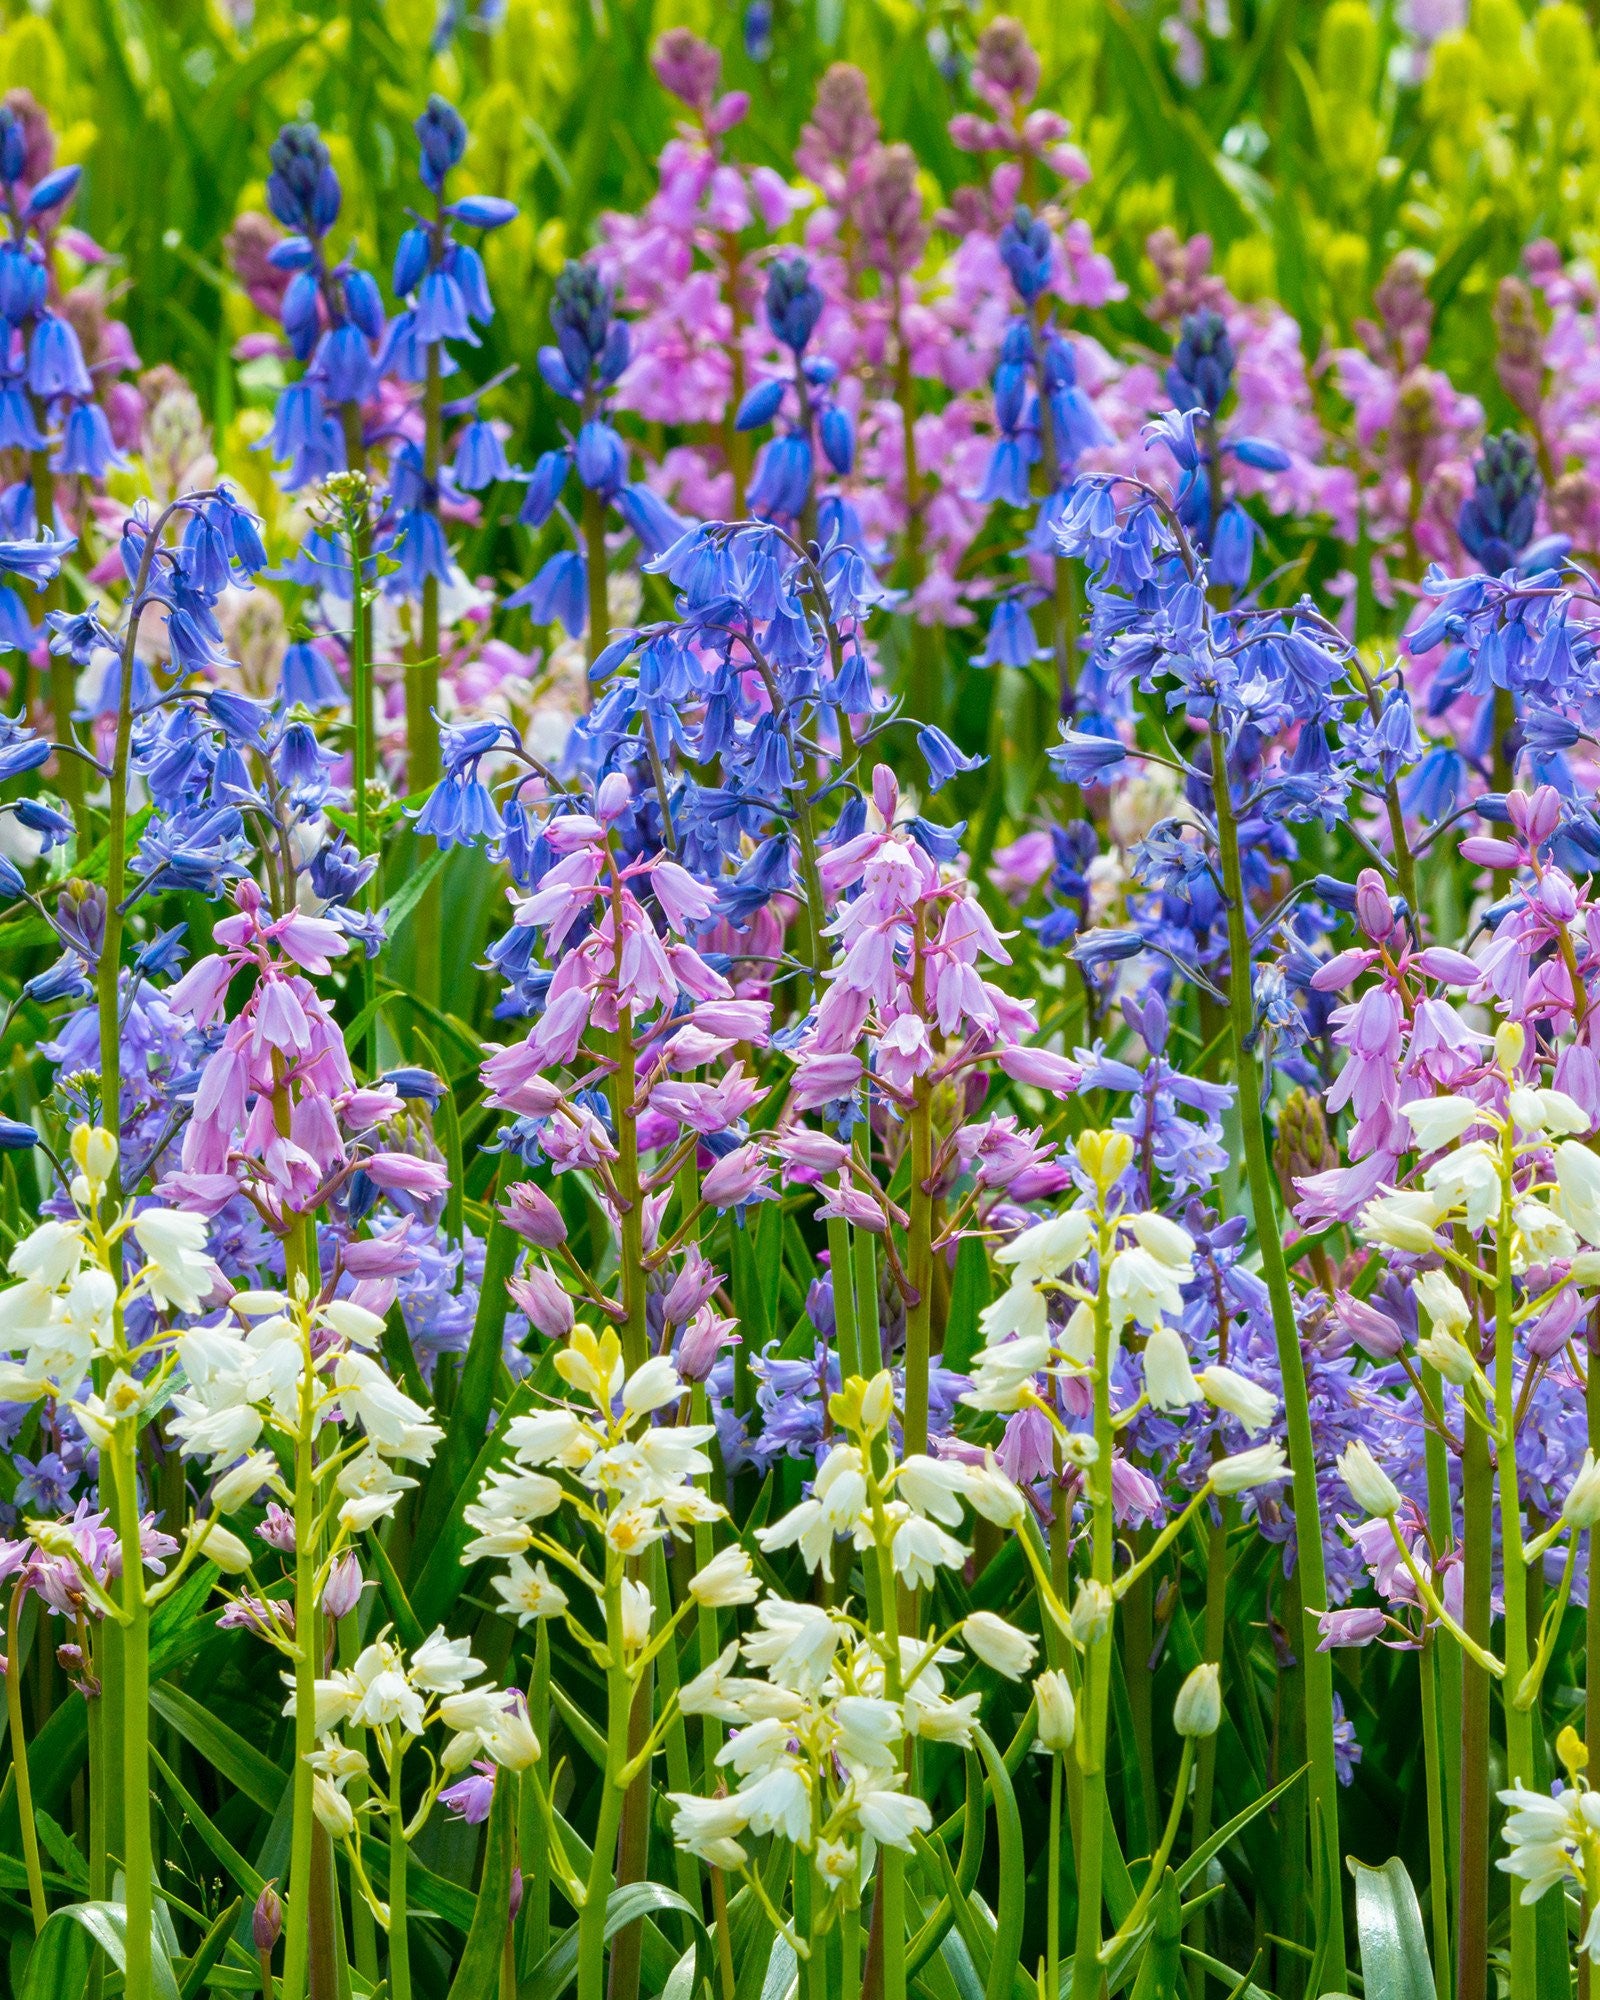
[969, 1294]
[443, 1579]
[411, 892]
[1196, 1863]
[558, 1968]
[246, 1878]
[63, 1946]
[1013, 1871]
[1394, 1953]
[394, 1595]
[211, 1948]
[241, 1763]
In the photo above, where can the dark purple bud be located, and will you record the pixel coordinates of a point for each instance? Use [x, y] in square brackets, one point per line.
[266, 1921]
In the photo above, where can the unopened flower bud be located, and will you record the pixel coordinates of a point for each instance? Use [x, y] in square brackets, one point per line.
[1198, 1709]
[877, 1403]
[514, 1904]
[342, 1592]
[94, 1153]
[1091, 1612]
[1374, 911]
[1453, 1361]
[266, 1920]
[532, 1214]
[538, 1292]
[1510, 1039]
[1105, 1157]
[332, 1809]
[1581, 1508]
[1056, 1710]
[1373, 1491]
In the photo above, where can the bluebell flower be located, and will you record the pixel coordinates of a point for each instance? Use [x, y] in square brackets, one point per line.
[793, 302]
[18, 633]
[943, 758]
[302, 188]
[23, 753]
[483, 211]
[837, 439]
[545, 482]
[54, 828]
[761, 404]
[23, 282]
[1082, 758]
[581, 314]
[1026, 248]
[560, 590]
[18, 431]
[422, 550]
[1497, 518]
[38, 560]
[1201, 371]
[338, 872]
[418, 1086]
[1012, 641]
[78, 635]
[443, 137]
[782, 482]
[308, 679]
[87, 450]
[601, 458]
[654, 525]
[480, 458]
[460, 812]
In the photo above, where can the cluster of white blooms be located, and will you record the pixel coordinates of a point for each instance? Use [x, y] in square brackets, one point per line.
[1554, 1838]
[907, 1507]
[629, 1478]
[66, 1309]
[399, 1698]
[1141, 1261]
[276, 1366]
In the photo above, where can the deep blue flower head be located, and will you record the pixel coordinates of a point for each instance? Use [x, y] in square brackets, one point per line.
[1083, 757]
[419, 1086]
[760, 405]
[545, 482]
[18, 431]
[461, 812]
[442, 134]
[483, 211]
[87, 449]
[838, 439]
[363, 301]
[39, 559]
[480, 458]
[23, 283]
[654, 524]
[13, 145]
[1201, 371]
[55, 190]
[601, 458]
[302, 188]
[581, 314]
[1232, 547]
[23, 753]
[78, 635]
[944, 759]
[15, 1137]
[559, 590]
[1007, 475]
[44, 820]
[338, 872]
[423, 552]
[55, 360]
[1496, 520]
[1012, 641]
[1026, 248]
[793, 301]
[11, 882]
[757, 29]
[346, 366]
[782, 484]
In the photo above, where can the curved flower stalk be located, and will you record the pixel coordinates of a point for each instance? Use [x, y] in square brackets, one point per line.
[397, 1700]
[821, 1747]
[628, 1483]
[591, 353]
[1029, 1362]
[67, 1320]
[261, 1391]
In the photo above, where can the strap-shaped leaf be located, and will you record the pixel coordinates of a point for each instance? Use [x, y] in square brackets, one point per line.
[558, 1968]
[1394, 1952]
[58, 1963]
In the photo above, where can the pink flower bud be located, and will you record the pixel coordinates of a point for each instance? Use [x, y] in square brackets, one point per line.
[1372, 1331]
[1041, 1069]
[515, 1902]
[613, 798]
[1484, 851]
[1342, 970]
[1535, 817]
[703, 1340]
[689, 1290]
[1374, 911]
[266, 1920]
[532, 1214]
[1452, 968]
[405, 1173]
[547, 1306]
[1358, 1627]
[342, 1592]
[735, 1178]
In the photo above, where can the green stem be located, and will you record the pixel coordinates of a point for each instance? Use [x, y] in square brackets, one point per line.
[1318, 1667]
[619, 1705]
[1472, 1909]
[1438, 1882]
[1519, 1721]
[594, 567]
[1216, 1614]
[844, 1295]
[1052, 1906]
[1091, 1738]
[138, 1981]
[399, 1920]
[297, 1913]
[532, 1845]
[21, 1775]
[1447, 1664]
